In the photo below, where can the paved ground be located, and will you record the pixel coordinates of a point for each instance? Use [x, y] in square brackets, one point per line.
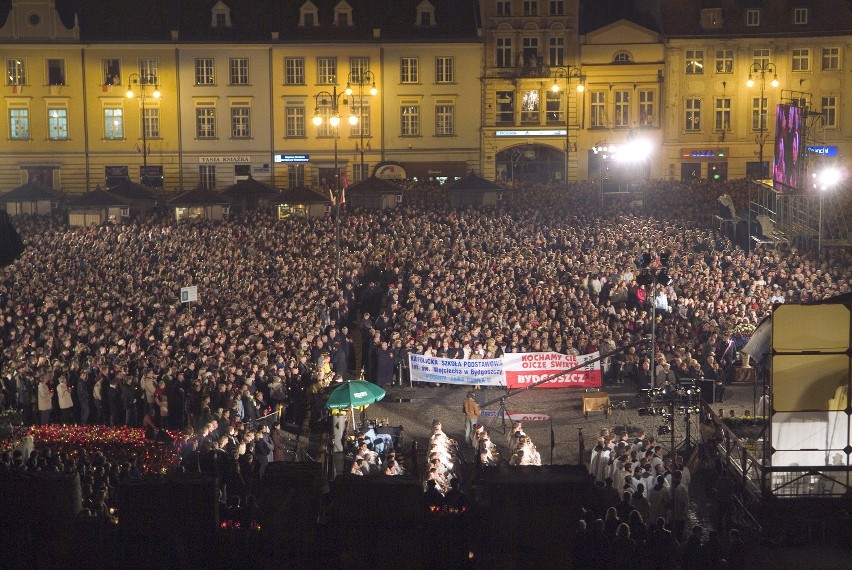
[415, 408]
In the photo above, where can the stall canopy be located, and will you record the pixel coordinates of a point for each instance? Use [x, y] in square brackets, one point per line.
[473, 190]
[373, 193]
[251, 193]
[31, 198]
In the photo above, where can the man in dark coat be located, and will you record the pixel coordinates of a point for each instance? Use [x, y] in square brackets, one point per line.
[384, 364]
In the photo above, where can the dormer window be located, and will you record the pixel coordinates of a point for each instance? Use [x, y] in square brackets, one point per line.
[711, 18]
[752, 18]
[220, 15]
[800, 16]
[425, 14]
[622, 57]
[343, 14]
[308, 15]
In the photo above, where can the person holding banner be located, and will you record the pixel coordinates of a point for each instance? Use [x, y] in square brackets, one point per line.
[471, 415]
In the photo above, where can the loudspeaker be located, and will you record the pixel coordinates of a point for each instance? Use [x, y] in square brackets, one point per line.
[11, 244]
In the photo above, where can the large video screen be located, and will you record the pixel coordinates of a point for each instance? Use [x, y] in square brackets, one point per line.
[788, 138]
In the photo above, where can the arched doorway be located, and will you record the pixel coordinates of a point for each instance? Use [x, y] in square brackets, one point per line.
[531, 163]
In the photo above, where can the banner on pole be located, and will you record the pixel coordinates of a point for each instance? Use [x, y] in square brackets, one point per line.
[515, 370]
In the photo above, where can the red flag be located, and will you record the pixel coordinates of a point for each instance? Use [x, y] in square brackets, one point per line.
[331, 196]
[105, 87]
[345, 180]
[14, 88]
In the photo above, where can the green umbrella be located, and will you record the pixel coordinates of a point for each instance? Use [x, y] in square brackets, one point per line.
[354, 394]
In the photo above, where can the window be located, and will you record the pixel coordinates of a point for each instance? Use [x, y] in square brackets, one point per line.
[760, 58]
[622, 108]
[19, 124]
[359, 66]
[360, 171]
[504, 52]
[204, 71]
[752, 18]
[758, 114]
[16, 72]
[800, 16]
[325, 128]
[724, 61]
[443, 70]
[556, 51]
[114, 123]
[408, 70]
[557, 7]
[597, 106]
[424, 18]
[56, 72]
[238, 71]
[530, 7]
[327, 70]
[647, 110]
[801, 59]
[410, 120]
[504, 7]
[362, 111]
[295, 121]
[221, 21]
[693, 114]
[622, 57]
[829, 112]
[149, 72]
[694, 62]
[207, 176]
[722, 119]
[240, 122]
[444, 120]
[111, 69]
[530, 51]
[295, 175]
[830, 59]
[151, 122]
[294, 71]
[205, 122]
[57, 124]
[505, 107]
[553, 108]
[530, 106]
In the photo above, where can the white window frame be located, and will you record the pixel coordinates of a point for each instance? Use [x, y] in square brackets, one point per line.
[800, 16]
[557, 7]
[504, 54]
[409, 70]
[205, 71]
[445, 119]
[149, 71]
[647, 107]
[530, 106]
[724, 61]
[556, 51]
[829, 106]
[19, 115]
[504, 7]
[597, 109]
[57, 123]
[692, 115]
[444, 69]
[294, 71]
[240, 121]
[800, 59]
[63, 80]
[758, 114]
[205, 121]
[294, 122]
[622, 108]
[360, 109]
[830, 58]
[108, 65]
[238, 71]
[410, 119]
[530, 7]
[752, 18]
[694, 64]
[113, 114]
[16, 71]
[326, 70]
[207, 176]
[722, 114]
[151, 121]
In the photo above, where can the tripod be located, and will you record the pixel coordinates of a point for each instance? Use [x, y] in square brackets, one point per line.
[501, 413]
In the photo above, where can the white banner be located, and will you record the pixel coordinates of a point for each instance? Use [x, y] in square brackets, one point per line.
[479, 372]
[518, 369]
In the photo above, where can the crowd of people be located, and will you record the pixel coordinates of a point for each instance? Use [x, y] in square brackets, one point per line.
[92, 329]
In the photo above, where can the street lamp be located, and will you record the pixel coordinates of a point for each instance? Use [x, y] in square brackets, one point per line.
[332, 102]
[361, 80]
[567, 74]
[823, 181]
[653, 270]
[136, 80]
[761, 68]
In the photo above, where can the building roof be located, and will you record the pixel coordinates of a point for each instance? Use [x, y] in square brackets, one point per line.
[199, 196]
[256, 20]
[251, 187]
[373, 185]
[682, 18]
[132, 191]
[97, 198]
[595, 14]
[302, 195]
[29, 192]
[472, 183]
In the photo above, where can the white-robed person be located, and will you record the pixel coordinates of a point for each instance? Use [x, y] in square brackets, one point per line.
[66, 402]
[596, 457]
[45, 401]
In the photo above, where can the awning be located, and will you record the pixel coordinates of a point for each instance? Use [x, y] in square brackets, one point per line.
[432, 169]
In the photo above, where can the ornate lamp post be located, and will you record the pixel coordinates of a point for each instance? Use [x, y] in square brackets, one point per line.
[361, 80]
[761, 69]
[567, 74]
[137, 81]
[331, 100]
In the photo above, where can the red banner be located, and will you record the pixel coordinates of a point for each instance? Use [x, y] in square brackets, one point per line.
[525, 369]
